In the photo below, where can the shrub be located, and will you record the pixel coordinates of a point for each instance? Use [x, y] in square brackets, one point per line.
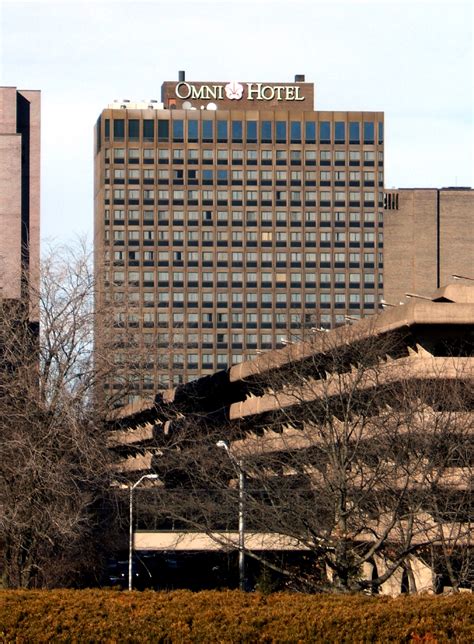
[183, 616]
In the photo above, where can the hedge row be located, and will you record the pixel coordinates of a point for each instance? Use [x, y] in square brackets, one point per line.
[183, 616]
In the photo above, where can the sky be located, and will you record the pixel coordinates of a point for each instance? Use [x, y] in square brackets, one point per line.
[412, 60]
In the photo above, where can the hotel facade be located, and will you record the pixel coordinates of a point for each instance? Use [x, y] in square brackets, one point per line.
[232, 218]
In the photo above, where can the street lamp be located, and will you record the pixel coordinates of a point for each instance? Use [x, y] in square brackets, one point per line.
[130, 539]
[238, 466]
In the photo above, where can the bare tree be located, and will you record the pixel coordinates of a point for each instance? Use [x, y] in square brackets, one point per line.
[54, 466]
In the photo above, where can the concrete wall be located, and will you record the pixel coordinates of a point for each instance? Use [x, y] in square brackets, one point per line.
[10, 197]
[12, 177]
[427, 239]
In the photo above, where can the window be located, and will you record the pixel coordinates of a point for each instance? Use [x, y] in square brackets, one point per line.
[339, 132]
[295, 132]
[325, 132]
[280, 131]
[266, 132]
[148, 130]
[119, 129]
[193, 131]
[251, 131]
[119, 155]
[236, 132]
[178, 130]
[207, 135]
[134, 155]
[369, 217]
[354, 132]
[163, 130]
[368, 133]
[310, 132]
[133, 129]
[222, 131]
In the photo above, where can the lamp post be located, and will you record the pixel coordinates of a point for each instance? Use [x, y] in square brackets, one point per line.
[238, 466]
[130, 539]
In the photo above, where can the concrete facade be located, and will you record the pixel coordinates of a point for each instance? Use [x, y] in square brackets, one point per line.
[20, 195]
[263, 409]
[428, 238]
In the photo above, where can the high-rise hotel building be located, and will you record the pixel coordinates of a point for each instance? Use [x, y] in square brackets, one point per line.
[230, 218]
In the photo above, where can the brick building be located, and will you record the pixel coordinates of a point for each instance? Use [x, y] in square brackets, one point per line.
[19, 195]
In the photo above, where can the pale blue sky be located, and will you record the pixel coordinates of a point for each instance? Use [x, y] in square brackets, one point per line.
[412, 60]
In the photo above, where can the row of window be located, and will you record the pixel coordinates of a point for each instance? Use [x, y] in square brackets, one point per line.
[235, 320]
[205, 280]
[209, 175]
[263, 258]
[208, 130]
[220, 279]
[252, 157]
[241, 320]
[223, 300]
[265, 197]
[237, 239]
[280, 217]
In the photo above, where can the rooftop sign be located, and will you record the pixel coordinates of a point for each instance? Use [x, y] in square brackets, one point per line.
[237, 91]
[238, 95]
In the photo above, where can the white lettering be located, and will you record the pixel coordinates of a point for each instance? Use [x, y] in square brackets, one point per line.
[253, 89]
[268, 92]
[199, 92]
[278, 90]
[187, 90]
[298, 97]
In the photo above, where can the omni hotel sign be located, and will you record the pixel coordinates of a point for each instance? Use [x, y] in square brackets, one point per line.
[236, 91]
[235, 94]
